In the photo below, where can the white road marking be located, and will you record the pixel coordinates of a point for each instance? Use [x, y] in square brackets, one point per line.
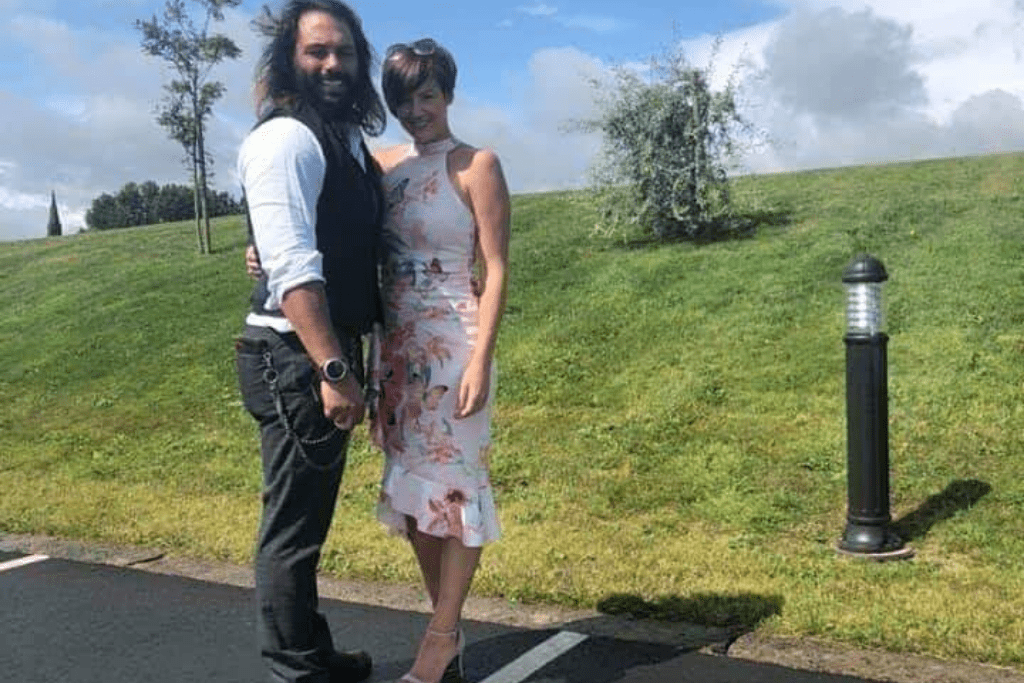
[523, 667]
[22, 561]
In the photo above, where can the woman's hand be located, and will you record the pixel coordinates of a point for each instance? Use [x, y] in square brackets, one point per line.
[483, 184]
[474, 389]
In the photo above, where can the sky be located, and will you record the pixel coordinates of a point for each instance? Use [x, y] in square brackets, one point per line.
[827, 83]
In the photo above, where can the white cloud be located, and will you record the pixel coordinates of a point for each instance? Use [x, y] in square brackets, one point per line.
[833, 82]
[836, 64]
[537, 151]
[590, 22]
[95, 128]
[962, 47]
[19, 201]
[990, 122]
[559, 93]
[586, 22]
[69, 107]
[903, 81]
[538, 10]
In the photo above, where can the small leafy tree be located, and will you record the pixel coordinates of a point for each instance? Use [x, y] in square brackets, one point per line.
[192, 51]
[668, 138]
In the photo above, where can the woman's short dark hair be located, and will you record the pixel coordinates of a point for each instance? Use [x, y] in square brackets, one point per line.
[407, 66]
[276, 85]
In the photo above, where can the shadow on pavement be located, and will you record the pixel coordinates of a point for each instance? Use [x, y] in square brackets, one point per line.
[701, 620]
[596, 660]
[633, 636]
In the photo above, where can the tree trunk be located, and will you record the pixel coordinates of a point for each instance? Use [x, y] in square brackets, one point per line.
[201, 165]
[195, 203]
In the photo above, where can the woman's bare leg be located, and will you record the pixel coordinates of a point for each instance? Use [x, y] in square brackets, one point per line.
[428, 550]
[458, 564]
[448, 568]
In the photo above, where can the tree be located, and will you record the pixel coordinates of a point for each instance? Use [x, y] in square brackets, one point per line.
[53, 228]
[105, 213]
[223, 204]
[192, 52]
[667, 140]
[175, 203]
[149, 195]
[148, 203]
[129, 198]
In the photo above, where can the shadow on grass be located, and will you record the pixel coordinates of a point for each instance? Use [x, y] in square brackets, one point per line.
[740, 611]
[961, 494]
[741, 226]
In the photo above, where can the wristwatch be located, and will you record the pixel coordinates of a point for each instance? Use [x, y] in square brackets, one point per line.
[334, 370]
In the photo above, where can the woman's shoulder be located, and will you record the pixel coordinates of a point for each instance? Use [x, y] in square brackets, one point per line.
[474, 159]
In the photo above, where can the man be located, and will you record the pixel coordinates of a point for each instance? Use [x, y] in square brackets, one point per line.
[315, 210]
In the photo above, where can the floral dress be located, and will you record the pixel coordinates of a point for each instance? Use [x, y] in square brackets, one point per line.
[436, 466]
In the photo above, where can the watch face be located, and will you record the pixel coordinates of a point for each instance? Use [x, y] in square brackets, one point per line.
[335, 370]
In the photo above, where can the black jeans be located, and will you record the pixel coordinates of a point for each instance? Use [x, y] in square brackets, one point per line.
[303, 459]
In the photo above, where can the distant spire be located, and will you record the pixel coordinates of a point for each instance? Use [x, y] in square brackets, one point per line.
[53, 229]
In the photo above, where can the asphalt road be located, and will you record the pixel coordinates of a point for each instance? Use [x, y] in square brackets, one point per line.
[76, 622]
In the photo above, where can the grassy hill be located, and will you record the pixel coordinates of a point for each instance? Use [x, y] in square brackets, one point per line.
[670, 423]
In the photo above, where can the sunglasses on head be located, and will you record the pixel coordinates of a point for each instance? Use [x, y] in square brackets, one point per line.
[423, 47]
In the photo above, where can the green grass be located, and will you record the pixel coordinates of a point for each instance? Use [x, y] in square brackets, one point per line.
[670, 428]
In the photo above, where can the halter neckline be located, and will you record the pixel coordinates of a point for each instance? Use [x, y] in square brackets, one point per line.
[437, 147]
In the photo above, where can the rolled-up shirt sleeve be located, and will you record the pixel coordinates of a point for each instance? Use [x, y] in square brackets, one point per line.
[282, 168]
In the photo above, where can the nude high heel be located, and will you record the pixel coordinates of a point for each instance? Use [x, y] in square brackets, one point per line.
[454, 672]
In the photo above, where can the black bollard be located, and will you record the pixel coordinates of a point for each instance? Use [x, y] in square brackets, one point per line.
[867, 534]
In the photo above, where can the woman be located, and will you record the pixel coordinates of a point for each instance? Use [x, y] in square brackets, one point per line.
[443, 281]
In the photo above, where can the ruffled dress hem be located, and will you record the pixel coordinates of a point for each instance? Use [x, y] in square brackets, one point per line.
[439, 509]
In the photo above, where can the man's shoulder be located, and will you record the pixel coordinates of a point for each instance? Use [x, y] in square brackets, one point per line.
[282, 129]
[280, 137]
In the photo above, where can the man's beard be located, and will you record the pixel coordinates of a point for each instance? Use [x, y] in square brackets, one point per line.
[334, 97]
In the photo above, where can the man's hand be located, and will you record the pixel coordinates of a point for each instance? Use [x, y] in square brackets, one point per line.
[252, 262]
[305, 306]
[343, 402]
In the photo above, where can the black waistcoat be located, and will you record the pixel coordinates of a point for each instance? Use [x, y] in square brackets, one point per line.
[349, 213]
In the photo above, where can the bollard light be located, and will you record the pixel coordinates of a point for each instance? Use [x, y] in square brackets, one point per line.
[865, 313]
[867, 532]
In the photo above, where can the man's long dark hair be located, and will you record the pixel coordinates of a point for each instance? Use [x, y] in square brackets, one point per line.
[276, 84]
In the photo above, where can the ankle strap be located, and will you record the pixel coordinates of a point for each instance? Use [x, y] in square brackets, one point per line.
[445, 634]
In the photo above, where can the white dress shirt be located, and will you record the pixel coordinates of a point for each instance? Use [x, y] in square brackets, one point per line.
[282, 169]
